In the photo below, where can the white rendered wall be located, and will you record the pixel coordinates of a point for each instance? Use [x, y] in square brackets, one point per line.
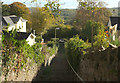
[31, 41]
[11, 27]
[21, 26]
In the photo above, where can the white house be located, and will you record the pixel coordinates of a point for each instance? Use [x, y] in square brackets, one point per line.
[31, 39]
[13, 22]
[113, 31]
[114, 27]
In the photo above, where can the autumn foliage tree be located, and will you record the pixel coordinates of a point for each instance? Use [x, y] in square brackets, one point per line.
[6, 10]
[86, 32]
[65, 31]
[18, 9]
[90, 10]
[38, 18]
[95, 11]
[42, 19]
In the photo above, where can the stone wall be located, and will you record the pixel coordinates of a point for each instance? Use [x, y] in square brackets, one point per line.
[101, 66]
[25, 74]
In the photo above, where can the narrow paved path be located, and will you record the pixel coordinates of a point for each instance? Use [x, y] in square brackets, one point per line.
[59, 69]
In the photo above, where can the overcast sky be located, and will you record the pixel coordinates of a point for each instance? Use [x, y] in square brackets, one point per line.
[70, 4]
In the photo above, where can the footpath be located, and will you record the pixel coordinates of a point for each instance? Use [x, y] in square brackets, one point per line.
[59, 70]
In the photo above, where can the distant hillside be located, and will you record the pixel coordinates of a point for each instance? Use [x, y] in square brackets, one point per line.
[114, 10]
[68, 14]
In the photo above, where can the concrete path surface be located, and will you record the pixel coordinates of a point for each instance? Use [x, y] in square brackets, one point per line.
[59, 70]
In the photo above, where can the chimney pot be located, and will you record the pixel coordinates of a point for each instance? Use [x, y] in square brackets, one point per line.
[34, 32]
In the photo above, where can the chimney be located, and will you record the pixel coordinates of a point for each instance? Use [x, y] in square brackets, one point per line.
[34, 32]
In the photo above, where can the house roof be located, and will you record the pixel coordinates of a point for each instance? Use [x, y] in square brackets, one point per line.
[4, 23]
[8, 20]
[22, 35]
[19, 35]
[15, 19]
[12, 16]
[12, 19]
[114, 20]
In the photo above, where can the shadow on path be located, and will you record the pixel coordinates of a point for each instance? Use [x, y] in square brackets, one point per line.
[59, 69]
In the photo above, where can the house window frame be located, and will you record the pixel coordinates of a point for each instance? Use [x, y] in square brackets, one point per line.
[31, 36]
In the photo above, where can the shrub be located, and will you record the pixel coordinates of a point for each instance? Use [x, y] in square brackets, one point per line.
[101, 39]
[86, 31]
[50, 44]
[74, 49]
[38, 39]
[16, 52]
[116, 42]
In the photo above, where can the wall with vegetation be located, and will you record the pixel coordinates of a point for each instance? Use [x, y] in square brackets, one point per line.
[101, 66]
[74, 49]
[92, 63]
[20, 61]
[25, 74]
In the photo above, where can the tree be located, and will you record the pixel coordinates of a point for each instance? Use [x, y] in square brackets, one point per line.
[45, 17]
[42, 19]
[88, 10]
[101, 39]
[66, 31]
[101, 15]
[88, 29]
[20, 9]
[5, 10]
[39, 18]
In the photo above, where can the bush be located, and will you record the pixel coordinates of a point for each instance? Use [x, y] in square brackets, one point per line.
[64, 32]
[86, 31]
[74, 49]
[38, 39]
[116, 42]
[50, 44]
[52, 47]
[38, 56]
[52, 50]
[16, 52]
[101, 39]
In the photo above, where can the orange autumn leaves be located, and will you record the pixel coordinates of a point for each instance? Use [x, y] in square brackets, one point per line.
[19, 9]
[107, 33]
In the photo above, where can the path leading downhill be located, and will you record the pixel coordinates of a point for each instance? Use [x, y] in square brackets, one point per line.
[59, 69]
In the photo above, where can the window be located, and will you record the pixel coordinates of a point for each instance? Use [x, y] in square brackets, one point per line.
[31, 36]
